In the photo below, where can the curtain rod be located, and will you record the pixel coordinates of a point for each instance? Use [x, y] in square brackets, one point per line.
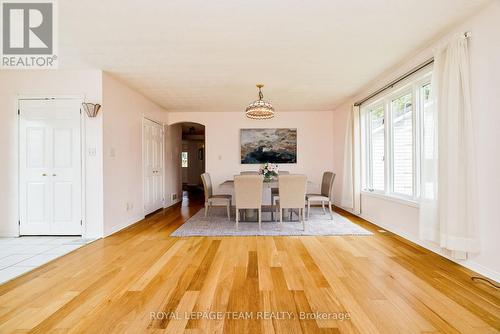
[466, 34]
[394, 82]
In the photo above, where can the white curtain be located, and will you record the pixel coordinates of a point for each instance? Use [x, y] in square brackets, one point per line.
[347, 200]
[350, 181]
[447, 208]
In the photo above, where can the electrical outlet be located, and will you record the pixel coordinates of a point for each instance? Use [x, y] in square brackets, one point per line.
[174, 197]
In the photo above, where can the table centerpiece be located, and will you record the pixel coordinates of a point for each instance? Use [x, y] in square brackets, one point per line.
[269, 171]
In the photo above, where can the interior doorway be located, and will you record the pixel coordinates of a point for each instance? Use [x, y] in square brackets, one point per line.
[192, 159]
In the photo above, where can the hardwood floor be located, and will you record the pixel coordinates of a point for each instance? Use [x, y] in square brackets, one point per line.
[142, 280]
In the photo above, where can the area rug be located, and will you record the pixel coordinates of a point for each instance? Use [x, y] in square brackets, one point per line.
[217, 224]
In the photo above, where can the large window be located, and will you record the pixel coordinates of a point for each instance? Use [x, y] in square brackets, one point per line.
[392, 130]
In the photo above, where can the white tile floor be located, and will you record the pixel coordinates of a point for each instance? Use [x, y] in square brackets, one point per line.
[20, 255]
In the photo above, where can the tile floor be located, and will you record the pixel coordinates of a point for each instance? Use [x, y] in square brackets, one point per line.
[20, 255]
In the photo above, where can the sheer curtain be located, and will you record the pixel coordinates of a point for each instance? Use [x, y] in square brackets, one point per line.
[351, 179]
[447, 208]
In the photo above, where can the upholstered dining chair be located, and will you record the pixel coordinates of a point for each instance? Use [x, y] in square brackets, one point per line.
[249, 172]
[325, 196]
[274, 191]
[292, 191]
[214, 200]
[248, 194]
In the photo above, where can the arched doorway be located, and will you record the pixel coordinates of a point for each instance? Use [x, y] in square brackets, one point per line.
[192, 160]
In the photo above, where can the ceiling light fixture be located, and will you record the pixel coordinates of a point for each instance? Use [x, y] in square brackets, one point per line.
[260, 109]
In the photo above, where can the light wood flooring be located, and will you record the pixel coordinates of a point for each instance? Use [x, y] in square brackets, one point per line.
[141, 280]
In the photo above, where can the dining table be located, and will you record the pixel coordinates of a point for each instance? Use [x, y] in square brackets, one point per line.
[266, 184]
[227, 187]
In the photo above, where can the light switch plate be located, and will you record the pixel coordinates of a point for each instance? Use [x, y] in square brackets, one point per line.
[92, 151]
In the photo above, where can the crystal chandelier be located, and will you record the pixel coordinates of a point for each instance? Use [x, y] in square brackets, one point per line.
[260, 109]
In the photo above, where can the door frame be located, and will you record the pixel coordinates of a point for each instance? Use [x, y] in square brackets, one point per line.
[80, 99]
[144, 118]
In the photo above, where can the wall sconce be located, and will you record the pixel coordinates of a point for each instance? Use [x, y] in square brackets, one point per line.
[91, 109]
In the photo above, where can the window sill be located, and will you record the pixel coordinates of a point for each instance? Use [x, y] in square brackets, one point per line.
[399, 200]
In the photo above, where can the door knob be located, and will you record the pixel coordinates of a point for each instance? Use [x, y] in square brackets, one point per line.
[44, 174]
[54, 175]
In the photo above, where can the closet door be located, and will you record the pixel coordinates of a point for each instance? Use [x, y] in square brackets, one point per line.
[153, 165]
[50, 201]
[158, 165]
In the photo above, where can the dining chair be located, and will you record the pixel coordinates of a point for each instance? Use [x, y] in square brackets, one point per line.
[292, 191]
[274, 191]
[249, 172]
[214, 200]
[248, 194]
[325, 196]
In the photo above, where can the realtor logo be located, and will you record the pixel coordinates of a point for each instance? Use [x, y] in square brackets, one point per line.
[28, 34]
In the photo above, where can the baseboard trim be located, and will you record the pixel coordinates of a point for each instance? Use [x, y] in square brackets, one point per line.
[176, 202]
[480, 269]
[469, 264]
[136, 220]
[129, 223]
[9, 235]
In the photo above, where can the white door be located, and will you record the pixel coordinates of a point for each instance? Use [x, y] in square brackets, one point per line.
[50, 194]
[153, 166]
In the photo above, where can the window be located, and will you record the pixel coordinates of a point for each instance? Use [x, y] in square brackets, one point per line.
[184, 159]
[376, 148]
[402, 145]
[392, 128]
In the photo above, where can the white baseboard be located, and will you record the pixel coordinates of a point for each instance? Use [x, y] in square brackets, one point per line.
[133, 221]
[173, 203]
[120, 227]
[469, 264]
[95, 237]
[479, 268]
[9, 235]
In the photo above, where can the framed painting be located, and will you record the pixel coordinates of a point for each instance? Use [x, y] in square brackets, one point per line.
[277, 146]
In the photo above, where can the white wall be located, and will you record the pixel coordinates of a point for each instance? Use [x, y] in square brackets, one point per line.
[173, 175]
[123, 111]
[113, 176]
[485, 72]
[222, 141]
[39, 83]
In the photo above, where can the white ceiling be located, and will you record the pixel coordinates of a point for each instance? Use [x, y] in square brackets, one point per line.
[208, 55]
